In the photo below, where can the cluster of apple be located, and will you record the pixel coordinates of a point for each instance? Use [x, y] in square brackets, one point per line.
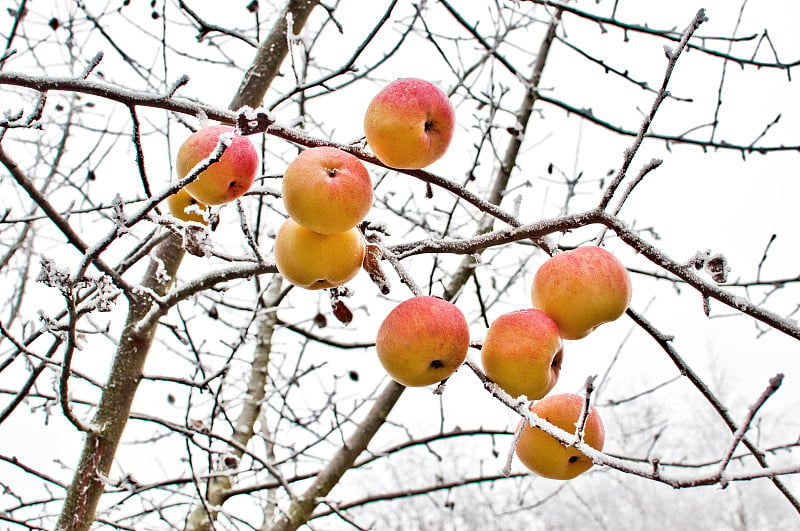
[327, 192]
[425, 339]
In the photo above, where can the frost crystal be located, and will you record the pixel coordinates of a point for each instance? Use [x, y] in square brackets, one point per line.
[106, 294]
[119, 216]
[51, 325]
[161, 270]
[52, 276]
[202, 117]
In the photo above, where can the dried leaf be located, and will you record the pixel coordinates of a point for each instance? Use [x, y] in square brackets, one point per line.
[342, 312]
[372, 265]
[196, 239]
[717, 267]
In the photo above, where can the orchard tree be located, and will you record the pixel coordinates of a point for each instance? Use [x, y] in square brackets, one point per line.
[158, 372]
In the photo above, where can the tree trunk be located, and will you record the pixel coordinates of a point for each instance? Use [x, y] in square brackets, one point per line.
[302, 508]
[84, 492]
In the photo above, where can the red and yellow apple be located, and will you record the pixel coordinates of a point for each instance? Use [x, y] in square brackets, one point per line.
[180, 201]
[581, 289]
[409, 124]
[228, 178]
[422, 341]
[545, 455]
[522, 353]
[327, 190]
[312, 260]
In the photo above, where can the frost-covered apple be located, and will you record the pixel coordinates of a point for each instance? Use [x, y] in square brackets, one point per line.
[228, 178]
[409, 124]
[522, 353]
[312, 260]
[422, 341]
[327, 190]
[545, 455]
[581, 289]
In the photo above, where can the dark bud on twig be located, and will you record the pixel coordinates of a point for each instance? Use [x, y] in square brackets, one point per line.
[213, 219]
[16, 13]
[341, 291]
[320, 321]
[250, 121]
[230, 461]
[718, 268]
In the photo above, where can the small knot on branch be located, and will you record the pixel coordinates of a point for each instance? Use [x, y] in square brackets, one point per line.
[250, 121]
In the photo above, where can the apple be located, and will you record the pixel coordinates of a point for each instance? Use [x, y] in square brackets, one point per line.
[581, 289]
[545, 455]
[327, 190]
[228, 178]
[522, 353]
[178, 203]
[409, 124]
[422, 341]
[312, 260]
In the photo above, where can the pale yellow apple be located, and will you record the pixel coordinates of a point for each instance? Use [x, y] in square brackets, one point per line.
[522, 353]
[228, 178]
[409, 124]
[581, 289]
[422, 341]
[178, 203]
[312, 260]
[545, 455]
[327, 190]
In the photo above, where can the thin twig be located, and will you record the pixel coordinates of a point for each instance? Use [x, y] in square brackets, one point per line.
[630, 153]
[63, 387]
[774, 384]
